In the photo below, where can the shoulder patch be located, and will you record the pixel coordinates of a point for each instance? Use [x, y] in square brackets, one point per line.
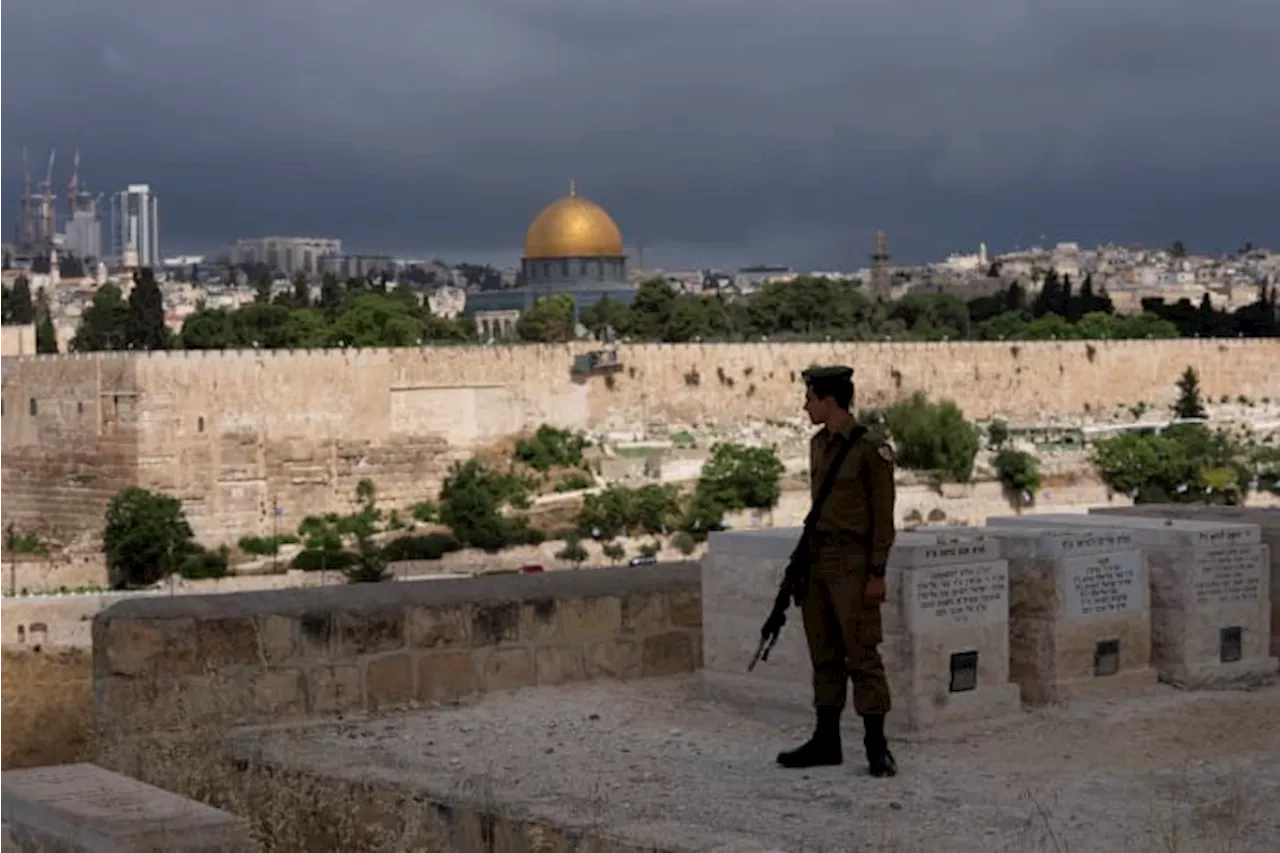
[886, 452]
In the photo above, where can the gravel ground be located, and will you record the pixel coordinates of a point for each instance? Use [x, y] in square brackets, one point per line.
[656, 762]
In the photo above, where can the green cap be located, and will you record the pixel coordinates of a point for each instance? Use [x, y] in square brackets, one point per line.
[836, 372]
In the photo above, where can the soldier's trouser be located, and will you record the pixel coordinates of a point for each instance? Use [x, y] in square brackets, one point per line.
[843, 635]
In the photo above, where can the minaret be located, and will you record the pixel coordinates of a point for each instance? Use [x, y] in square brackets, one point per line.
[881, 283]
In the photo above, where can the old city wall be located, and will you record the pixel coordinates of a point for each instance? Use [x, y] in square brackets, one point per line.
[239, 434]
[70, 438]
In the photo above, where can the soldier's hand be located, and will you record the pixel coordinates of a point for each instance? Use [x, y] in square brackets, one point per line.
[873, 592]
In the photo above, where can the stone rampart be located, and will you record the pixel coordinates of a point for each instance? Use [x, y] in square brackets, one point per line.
[237, 434]
[171, 666]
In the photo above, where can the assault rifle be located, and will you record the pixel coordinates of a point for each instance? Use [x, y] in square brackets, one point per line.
[795, 580]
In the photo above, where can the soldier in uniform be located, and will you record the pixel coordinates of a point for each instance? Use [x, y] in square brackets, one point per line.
[841, 607]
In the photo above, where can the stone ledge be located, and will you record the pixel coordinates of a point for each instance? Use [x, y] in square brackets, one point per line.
[361, 598]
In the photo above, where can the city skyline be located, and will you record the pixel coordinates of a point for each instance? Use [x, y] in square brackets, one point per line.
[716, 135]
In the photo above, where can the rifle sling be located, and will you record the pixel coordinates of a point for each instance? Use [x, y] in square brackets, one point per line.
[828, 484]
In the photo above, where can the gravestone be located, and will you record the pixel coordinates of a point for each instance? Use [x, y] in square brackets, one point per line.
[1210, 594]
[1267, 519]
[1079, 611]
[945, 624]
[88, 809]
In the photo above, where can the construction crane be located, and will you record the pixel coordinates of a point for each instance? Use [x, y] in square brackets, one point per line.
[73, 187]
[27, 236]
[48, 210]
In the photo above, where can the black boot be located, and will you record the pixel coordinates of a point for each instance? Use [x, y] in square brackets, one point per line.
[821, 750]
[879, 759]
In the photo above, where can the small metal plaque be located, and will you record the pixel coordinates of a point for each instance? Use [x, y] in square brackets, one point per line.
[1230, 645]
[964, 671]
[1106, 657]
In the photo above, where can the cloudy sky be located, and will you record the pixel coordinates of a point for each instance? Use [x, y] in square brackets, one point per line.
[715, 131]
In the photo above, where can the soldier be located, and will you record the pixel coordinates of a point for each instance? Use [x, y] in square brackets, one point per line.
[841, 606]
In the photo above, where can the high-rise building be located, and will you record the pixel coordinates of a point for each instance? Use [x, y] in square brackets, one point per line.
[287, 255]
[83, 234]
[135, 227]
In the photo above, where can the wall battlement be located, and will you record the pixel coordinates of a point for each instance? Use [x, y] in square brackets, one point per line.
[510, 350]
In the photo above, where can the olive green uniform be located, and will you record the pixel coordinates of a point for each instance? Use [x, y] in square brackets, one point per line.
[851, 541]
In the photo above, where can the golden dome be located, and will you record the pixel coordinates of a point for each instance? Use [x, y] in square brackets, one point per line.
[573, 227]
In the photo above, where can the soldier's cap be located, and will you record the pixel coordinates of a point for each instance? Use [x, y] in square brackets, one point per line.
[837, 372]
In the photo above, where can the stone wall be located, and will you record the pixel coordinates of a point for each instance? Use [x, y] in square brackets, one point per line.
[18, 339]
[237, 433]
[70, 438]
[165, 666]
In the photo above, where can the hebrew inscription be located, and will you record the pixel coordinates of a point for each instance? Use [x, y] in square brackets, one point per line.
[1099, 584]
[1228, 575]
[959, 595]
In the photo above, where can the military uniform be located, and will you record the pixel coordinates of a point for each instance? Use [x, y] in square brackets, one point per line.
[850, 543]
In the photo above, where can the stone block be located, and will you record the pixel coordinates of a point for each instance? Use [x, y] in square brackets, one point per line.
[1209, 584]
[389, 681]
[159, 647]
[439, 627]
[278, 692]
[334, 689]
[538, 620]
[668, 654]
[559, 664]
[1267, 519]
[279, 637]
[644, 612]
[684, 606]
[227, 642]
[495, 623]
[508, 669]
[615, 657]
[581, 619]
[85, 808]
[369, 632]
[445, 677]
[947, 602]
[1079, 611]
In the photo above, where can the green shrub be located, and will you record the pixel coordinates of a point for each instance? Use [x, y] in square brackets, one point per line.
[317, 560]
[1019, 473]
[264, 546]
[574, 483]
[425, 511]
[684, 542]
[551, 448]
[615, 552]
[997, 434]
[617, 509]
[205, 565]
[933, 437]
[433, 546]
[573, 551]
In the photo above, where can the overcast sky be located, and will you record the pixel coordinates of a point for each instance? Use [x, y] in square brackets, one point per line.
[715, 131]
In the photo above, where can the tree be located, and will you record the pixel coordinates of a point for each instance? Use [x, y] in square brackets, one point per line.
[145, 327]
[146, 538]
[104, 325]
[21, 309]
[997, 434]
[615, 552]
[1189, 405]
[740, 477]
[549, 320]
[471, 500]
[46, 336]
[369, 565]
[573, 551]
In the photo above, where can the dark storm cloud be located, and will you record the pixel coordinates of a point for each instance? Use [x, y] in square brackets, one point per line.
[734, 131]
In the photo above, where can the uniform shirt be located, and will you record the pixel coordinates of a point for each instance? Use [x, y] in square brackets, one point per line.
[861, 501]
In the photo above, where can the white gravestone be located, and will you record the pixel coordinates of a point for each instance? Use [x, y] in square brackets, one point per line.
[1267, 519]
[945, 595]
[1079, 612]
[1209, 584]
